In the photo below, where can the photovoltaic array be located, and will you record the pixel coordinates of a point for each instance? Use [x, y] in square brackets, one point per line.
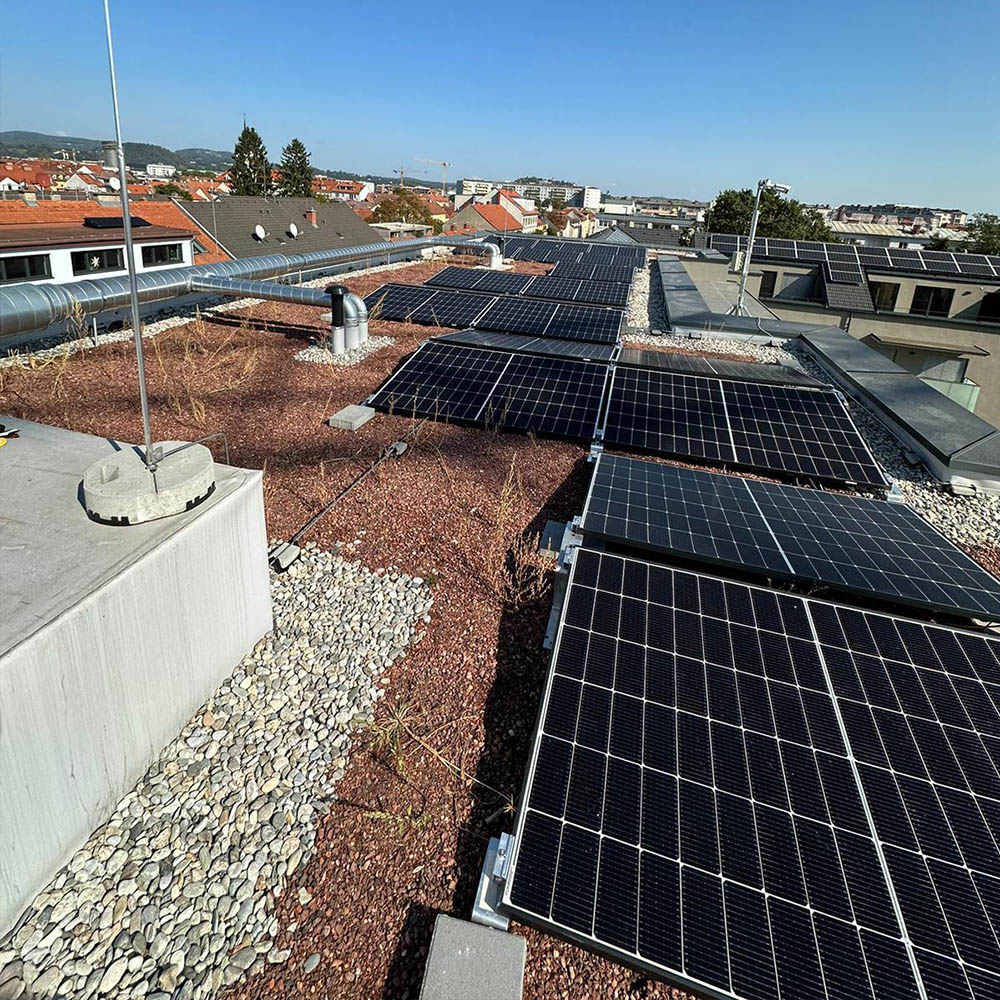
[741, 371]
[846, 263]
[847, 543]
[594, 272]
[568, 251]
[532, 286]
[548, 395]
[762, 796]
[794, 430]
[530, 345]
[504, 313]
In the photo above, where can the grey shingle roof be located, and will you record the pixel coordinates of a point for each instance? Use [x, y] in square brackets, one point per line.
[231, 222]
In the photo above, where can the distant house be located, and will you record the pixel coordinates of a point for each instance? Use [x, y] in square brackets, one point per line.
[339, 190]
[571, 223]
[493, 219]
[289, 225]
[164, 171]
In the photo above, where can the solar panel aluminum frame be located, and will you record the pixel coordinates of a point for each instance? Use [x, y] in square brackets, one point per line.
[689, 559]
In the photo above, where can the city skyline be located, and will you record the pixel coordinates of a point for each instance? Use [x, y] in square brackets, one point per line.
[835, 118]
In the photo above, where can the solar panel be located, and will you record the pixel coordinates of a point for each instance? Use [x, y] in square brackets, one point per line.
[603, 293]
[616, 273]
[531, 345]
[450, 308]
[549, 396]
[849, 273]
[937, 260]
[668, 414]
[796, 431]
[441, 381]
[564, 289]
[745, 371]
[455, 277]
[509, 315]
[586, 323]
[502, 282]
[396, 302]
[702, 805]
[806, 432]
[974, 263]
[848, 543]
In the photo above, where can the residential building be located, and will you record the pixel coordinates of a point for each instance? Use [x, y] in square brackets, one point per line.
[492, 219]
[289, 225]
[941, 325]
[902, 215]
[540, 191]
[522, 209]
[571, 223]
[164, 171]
[880, 234]
[54, 217]
[617, 206]
[342, 190]
[681, 207]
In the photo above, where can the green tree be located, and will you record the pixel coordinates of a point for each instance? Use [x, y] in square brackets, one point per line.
[296, 171]
[404, 206]
[780, 218]
[174, 191]
[984, 233]
[250, 173]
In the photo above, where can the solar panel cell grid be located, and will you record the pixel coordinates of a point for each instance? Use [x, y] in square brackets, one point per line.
[846, 542]
[441, 381]
[686, 812]
[450, 308]
[547, 395]
[797, 431]
[586, 323]
[502, 283]
[531, 345]
[518, 316]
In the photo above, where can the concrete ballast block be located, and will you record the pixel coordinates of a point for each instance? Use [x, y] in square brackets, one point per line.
[351, 418]
[467, 960]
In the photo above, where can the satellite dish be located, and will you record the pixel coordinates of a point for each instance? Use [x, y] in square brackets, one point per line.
[293, 230]
[114, 183]
[259, 231]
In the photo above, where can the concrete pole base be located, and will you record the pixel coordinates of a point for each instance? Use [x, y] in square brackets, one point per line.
[120, 489]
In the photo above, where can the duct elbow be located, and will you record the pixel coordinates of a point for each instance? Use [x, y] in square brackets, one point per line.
[362, 310]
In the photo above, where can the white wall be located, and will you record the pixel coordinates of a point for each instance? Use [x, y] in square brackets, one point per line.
[61, 261]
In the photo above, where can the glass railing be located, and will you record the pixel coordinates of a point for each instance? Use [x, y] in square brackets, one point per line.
[965, 393]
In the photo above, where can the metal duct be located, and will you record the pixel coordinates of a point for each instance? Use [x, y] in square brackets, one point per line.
[355, 311]
[27, 307]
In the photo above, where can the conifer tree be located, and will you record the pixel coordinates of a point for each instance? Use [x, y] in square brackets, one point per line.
[296, 171]
[250, 173]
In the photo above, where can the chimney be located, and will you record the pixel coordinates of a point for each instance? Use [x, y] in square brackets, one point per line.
[110, 148]
[311, 217]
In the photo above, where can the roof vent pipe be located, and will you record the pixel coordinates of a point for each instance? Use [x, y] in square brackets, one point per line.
[362, 316]
[338, 338]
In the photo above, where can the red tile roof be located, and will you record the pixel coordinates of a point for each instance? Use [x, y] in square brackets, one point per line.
[159, 213]
[498, 217]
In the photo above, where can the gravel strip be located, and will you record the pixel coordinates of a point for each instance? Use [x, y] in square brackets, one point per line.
[319, 355]
[174, 897]
[638, 311]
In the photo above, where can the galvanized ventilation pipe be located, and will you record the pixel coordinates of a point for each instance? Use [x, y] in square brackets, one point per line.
[27, 307]
[354, 309]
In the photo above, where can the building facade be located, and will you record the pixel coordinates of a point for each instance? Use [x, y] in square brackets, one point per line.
[539, 191]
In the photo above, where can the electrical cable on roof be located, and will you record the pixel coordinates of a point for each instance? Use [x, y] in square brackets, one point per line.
[283, 554]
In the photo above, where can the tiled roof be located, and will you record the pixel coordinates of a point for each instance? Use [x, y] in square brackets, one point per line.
[160, 213]
[498, 217]
[234, 218]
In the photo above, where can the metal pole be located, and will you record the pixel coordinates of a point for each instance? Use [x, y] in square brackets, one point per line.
[130, 254]
[740, 308]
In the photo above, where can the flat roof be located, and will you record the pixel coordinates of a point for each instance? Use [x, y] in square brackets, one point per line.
[46, 529]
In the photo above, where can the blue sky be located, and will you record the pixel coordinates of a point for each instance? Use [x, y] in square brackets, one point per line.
[846, 101]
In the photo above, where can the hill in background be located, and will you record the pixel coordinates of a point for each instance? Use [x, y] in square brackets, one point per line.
[138, 154]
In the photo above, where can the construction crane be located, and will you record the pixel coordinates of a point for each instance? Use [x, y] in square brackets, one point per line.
[402, 171]
[444, 165]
